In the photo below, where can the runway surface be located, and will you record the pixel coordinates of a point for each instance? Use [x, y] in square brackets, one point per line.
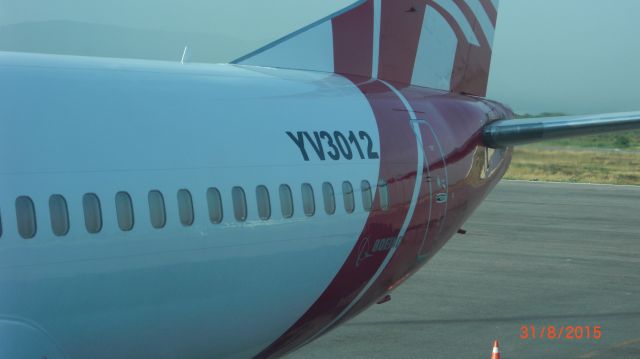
[541, 254]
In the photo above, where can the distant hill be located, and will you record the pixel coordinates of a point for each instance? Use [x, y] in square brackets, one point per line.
[86, 39]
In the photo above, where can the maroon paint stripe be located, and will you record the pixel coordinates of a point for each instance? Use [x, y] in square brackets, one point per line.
[449, 117]
[353, 41]
[470, 72]
[450, 20]
[405, 177]
[475, 77]
[397, 163]
[452, 130]
[473, 21]
[400, 27]
[490, 10]
[460, 61]
[458, 121]
[403, 262]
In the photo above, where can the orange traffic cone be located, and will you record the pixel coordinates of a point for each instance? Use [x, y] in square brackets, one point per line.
[496, 350]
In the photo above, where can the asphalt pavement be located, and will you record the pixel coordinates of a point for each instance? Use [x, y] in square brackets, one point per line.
[546, 255]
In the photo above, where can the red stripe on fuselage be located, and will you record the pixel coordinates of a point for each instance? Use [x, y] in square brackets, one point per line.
[400, 26]
[398, 159]
[458, 121]
[353, 41]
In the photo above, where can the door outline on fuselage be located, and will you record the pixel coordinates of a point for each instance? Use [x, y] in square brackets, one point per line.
[442, 184]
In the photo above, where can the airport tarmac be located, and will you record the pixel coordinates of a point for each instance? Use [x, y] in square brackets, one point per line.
[536, 254]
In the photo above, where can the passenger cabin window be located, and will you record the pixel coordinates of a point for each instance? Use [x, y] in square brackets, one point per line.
[26, 216]
[347, 194]
[308, 202]
[264, 203]
[329, 198]
[59, 215]
[239, 204]
[286, 201]
[92, 213]
[383, 191]
[124, 211]
[185, 207]
[366, 195]
[214, 202]
[157, 211]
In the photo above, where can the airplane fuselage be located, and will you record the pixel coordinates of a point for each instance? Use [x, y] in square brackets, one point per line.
[152, 209]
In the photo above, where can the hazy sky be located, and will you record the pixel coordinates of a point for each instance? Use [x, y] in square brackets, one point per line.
[575, 56]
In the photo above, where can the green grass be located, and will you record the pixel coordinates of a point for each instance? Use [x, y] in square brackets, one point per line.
[629, 140]
[566, 165]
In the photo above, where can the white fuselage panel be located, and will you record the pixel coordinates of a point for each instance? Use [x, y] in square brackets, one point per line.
[72, 126]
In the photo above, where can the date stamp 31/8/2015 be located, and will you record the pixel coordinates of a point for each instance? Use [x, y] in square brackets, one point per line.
[561, 332]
